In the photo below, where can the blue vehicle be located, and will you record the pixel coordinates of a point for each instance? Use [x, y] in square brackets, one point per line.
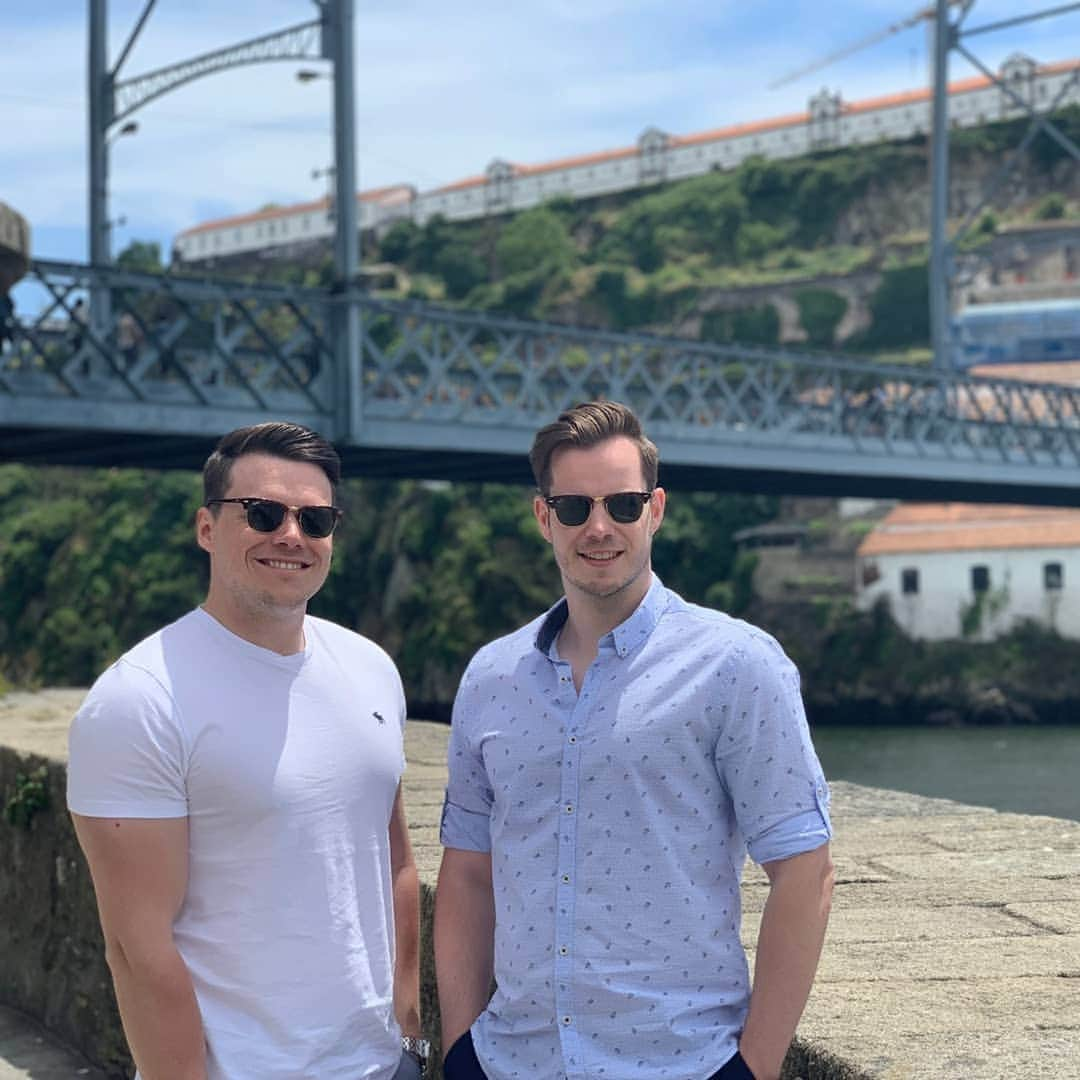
[1033, 332]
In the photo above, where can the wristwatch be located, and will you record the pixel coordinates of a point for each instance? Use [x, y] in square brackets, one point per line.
[419, 1048]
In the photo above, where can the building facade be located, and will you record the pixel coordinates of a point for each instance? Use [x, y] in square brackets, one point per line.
[505, 187]
[957, 570]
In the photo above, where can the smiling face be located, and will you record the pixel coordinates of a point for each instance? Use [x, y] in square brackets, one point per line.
[601, 559]
[259, 581]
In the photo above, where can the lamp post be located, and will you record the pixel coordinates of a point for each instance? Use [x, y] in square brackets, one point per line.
[328, 174]
[338, 48]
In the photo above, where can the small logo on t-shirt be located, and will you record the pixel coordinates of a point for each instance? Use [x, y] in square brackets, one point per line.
[378, 716]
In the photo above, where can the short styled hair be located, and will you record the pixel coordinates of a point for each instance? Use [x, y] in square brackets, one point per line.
[276, 438]
[588, 424]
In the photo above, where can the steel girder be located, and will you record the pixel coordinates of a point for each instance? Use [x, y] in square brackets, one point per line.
[186, 356]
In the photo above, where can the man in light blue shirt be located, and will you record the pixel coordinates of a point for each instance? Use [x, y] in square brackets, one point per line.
[611, 764]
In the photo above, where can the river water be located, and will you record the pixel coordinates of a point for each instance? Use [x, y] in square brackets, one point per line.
[1032, 770]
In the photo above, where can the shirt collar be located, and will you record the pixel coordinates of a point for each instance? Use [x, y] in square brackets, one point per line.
[626, 637]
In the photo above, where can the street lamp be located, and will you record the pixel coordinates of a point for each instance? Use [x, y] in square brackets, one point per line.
[306, 75]
[129, 128]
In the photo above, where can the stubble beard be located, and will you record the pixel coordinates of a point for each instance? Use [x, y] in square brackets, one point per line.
[606, 592]
[264, 606]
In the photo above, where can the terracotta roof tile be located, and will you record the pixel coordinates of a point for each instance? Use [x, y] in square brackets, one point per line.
[925, 527]
[733, 131]
[602, 156]
[383, 194]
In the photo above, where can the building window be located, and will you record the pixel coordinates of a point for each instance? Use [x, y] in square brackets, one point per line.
[870, 573]
[909, 581]
[1053, 576]
[980, 579]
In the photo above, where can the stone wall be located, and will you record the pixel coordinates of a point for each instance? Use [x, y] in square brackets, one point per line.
[52, 959]
[52, 956]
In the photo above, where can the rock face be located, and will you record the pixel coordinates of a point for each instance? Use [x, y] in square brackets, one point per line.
[14, 246]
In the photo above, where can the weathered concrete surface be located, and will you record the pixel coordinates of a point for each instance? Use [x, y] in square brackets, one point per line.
[29, 1052]
[14, 246]
[954, 946]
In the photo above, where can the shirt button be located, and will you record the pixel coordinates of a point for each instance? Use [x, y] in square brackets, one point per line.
[566, 1021]
[566, 879]
[573, 738]
[563, 950]
[569, 808]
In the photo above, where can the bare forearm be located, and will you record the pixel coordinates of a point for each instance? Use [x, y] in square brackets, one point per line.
[464, 951]
[160, 1015]
[407, 949]
[788, 949]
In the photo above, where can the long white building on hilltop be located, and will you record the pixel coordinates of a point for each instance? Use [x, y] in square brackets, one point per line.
[657, 156]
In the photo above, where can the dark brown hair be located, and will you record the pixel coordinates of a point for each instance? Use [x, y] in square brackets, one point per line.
[276, 438]
[588, 424]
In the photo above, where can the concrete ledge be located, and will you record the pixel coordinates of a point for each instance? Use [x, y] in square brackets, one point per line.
[953, 951]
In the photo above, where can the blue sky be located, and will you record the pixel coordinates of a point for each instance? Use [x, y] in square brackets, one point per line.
[442, 89]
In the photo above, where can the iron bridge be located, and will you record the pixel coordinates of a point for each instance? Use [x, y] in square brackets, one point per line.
[150, 369]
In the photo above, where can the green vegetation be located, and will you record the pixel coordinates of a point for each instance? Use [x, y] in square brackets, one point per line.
[759, 325]
[820, 312]
[1051, 207]
[860, 668]
[647, 259]
[93, 560]
[141, 257]
[898, 308]
[31, 795]
[661, 259]
[657, 259]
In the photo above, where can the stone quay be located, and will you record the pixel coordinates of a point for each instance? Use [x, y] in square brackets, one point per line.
[953, 950]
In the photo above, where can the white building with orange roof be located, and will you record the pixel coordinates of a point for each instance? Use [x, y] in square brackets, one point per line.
[288, 227]
[952, 570]
[828, 123]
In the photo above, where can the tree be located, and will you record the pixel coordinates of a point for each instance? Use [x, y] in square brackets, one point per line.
[534, 240]
[820, 312]
[747, 325]
[397, 244]
[428, 244]
[461, 268]
[1053, 206]
[141, 257]
[900, 307]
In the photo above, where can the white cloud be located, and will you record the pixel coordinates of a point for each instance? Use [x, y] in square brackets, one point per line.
[441, 91]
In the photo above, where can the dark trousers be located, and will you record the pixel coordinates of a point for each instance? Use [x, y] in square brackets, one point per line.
[461, 1064]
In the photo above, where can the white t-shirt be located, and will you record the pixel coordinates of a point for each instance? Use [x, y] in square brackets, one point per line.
[286, 768]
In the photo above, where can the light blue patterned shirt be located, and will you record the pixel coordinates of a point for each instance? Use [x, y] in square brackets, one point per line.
[618, 821]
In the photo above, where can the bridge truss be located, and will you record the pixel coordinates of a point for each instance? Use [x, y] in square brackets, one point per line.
[446, 393]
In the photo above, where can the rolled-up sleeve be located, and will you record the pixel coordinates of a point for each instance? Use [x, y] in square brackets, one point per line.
[766, 758]
[466, 815]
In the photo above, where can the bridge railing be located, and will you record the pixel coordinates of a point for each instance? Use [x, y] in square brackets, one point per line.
[140, 338]
[434, 365]
[255, 349]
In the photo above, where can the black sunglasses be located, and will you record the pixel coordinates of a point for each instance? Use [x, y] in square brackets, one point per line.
[624, 506]
[266, 516]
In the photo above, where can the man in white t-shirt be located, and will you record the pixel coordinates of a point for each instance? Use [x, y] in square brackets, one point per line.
[234, 781]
